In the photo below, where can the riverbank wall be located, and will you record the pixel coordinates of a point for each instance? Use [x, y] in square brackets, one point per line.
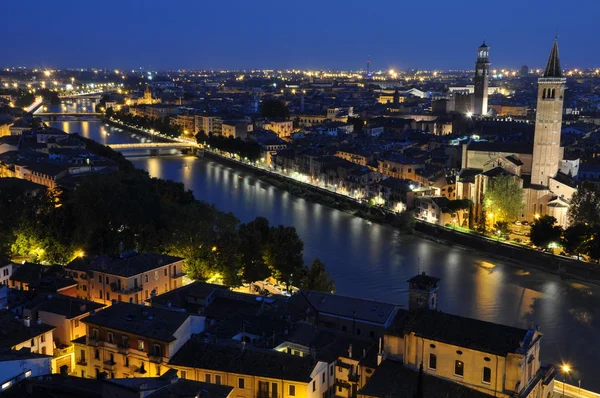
[523, 256]
[564, 266]
[318, 195]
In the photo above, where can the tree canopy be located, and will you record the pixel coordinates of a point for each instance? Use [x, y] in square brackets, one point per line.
[317, 278]
[503, 198]
[585, 205]
[544, 232]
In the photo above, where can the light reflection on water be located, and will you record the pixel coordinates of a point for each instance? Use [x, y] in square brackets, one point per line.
[374, 261]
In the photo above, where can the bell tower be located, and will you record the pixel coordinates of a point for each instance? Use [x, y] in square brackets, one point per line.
[482, 74]
[548, 121]
[422, 292]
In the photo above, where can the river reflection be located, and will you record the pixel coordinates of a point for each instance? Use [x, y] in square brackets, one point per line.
[374, 261]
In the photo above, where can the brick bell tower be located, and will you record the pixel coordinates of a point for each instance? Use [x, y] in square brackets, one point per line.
[481, 80]
[548, 121]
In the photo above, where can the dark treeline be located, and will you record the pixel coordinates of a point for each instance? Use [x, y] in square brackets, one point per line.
[131, 210]
[249, 150]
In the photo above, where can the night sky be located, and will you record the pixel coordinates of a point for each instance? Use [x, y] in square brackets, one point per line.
[172, 34]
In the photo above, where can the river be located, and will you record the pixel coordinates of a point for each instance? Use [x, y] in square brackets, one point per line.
[374, 261]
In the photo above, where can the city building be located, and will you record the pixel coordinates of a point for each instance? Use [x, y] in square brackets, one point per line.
[209, 124]
[16, 366]
[132, 277]
[65, 314]
[252, 372]
[6, 269]
[126, 340]
[17, 333]
[481, 80]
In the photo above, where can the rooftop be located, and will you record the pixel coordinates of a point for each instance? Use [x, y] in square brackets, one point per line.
[349, 307]
[69, 307]
[465, 332]
[126, 266]
[393, 379]
[14, 331]
[244, 359]
[150, 322]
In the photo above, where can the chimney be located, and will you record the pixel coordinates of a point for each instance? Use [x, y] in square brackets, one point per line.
[39, 321]
[379, 353]
[350, 351]
[27, 321]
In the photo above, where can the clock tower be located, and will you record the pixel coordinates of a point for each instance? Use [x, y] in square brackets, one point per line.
[482, 73]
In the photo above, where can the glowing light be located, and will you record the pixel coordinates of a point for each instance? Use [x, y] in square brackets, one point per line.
[47, 73]
[566, 368]
[469, 114]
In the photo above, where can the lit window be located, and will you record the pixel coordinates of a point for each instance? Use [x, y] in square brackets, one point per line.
[292, 391]
[459, 368]
[141, 345]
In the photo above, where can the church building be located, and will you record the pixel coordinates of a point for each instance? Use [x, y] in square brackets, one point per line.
[546, 179]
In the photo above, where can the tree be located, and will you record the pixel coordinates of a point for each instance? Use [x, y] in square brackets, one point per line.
[317, 278]
[253, 239]
[284, 254]
[503, 198]
[274, 108]
[585, 205]
[458, 207]
[592, 246]
[544, 232]
[501, 228]
[575, 238]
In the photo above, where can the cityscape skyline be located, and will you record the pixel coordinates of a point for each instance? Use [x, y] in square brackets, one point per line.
[445, 38]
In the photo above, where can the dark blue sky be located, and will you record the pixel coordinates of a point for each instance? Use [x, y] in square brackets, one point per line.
[295, 33]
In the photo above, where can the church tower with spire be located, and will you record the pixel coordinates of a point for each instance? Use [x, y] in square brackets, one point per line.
[482, 73]
[548, 121]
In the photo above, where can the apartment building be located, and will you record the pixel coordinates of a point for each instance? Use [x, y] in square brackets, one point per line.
[132, 277]
[130, 340]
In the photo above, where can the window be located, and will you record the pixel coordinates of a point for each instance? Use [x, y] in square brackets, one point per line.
[459, 368]
[487, 375]
[107, 280]
[292, 391]
[241, 383]
[156, 350]
[146, 278]
[155, 275]
[166, 287]
[357, 331]
[76, 323]
[43, 338]
[217, 379]
[166, 272]
[331, 370]
[141, 345]
[314, 386]
[44, 350]
[147, 295]
[95, 334]
[125, 361]
[432, 361]
[100, 294]
[183, 374]
[322, 377]
[158, 370]
[96, 354]
[109, 337]
[108, 295]
[100, 278]
[207, 378]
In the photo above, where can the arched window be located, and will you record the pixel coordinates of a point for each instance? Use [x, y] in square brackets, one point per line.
[544, 94]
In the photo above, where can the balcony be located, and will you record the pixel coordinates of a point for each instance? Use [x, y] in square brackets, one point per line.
[353, 377]
[155, 358]
[110, 365]
[81, 361]
[125, 291]
[61, 352]
[93, 341]
[123, 349]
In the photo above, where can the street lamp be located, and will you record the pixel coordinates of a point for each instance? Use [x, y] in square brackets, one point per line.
[566, 368]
